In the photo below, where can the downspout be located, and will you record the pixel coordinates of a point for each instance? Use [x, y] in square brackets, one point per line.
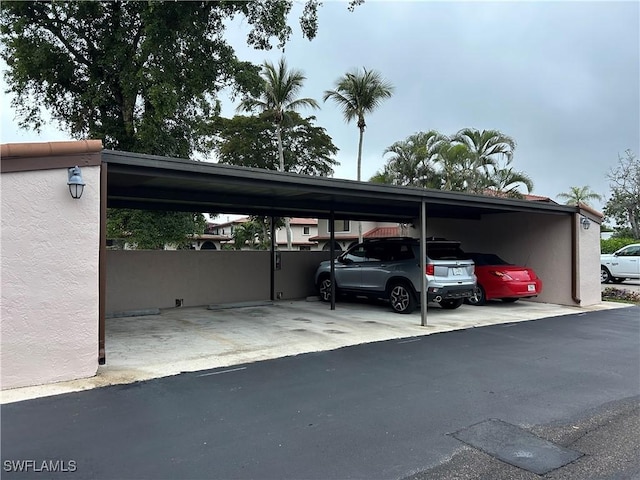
[575, 223]
[102, 266]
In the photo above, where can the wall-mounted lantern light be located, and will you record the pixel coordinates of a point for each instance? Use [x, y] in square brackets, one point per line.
[76, 185]
[584, 221]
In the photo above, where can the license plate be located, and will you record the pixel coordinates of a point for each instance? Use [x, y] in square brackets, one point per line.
[531, 288]
[458, 271]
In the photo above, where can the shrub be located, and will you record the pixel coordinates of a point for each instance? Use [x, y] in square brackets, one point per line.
[620, 295]
[614, 243]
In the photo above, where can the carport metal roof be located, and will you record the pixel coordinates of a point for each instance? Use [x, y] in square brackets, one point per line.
[164, 183]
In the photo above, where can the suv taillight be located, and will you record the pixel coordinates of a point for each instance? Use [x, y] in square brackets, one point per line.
[429, 269]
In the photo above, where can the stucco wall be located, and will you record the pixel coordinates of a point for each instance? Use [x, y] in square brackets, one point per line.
[139, 280]
[49, 258]
[589, 290]
[542, 242]
[296, 277]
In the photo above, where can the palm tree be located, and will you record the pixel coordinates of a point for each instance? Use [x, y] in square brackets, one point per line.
[455, 162]
[486, 146]
[507, 181]
[577, 195]
[412, 162]
[358, 93]
[278, 97]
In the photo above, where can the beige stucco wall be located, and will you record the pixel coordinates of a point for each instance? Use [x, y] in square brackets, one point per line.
[140, 280]
[297, 233]
[589, 290]
[49, 257]
[295, 279]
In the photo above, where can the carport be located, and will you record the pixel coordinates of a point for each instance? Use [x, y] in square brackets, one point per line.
[55, 262]
[130, 180]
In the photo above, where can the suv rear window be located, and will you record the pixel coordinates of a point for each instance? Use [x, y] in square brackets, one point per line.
[445, 251]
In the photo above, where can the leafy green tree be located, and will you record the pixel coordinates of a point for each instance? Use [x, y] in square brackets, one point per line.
[359, 93]
[279, 96]
[142, 76]
[250, 142]
[255, 234]
[385, 176]
[578, 195]
[624, 204]
[471, 160]
[487, 147]
[452, 159]
[248, 235]
[412, 160]
[507, 181]
[147, 230]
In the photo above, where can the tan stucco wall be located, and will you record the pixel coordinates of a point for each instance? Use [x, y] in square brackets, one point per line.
[296, 277]
[140, 280]
[49, 258]
[589, 290]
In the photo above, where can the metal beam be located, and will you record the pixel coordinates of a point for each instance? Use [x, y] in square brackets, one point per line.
[332, 251]
[423, 263]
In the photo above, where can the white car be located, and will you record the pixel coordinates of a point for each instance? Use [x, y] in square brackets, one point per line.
[621, 265]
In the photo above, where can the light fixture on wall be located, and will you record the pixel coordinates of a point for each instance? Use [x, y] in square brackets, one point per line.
[76, 184]
[584, 221]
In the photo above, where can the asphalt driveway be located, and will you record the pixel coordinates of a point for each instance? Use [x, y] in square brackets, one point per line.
[191, 339]
[377, 410]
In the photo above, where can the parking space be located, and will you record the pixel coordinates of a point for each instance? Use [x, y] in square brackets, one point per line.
[193, 339]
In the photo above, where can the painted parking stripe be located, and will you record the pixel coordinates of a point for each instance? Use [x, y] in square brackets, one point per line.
[410, 341]
[223, 371]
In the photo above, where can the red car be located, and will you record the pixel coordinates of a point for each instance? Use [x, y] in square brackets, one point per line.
[498, 279]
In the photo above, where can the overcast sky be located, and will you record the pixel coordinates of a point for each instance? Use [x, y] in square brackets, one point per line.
[561, 78]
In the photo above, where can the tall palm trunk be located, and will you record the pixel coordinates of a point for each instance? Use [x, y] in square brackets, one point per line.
[359, 169]
[287, 220]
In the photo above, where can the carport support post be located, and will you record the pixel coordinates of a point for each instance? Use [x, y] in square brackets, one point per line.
[423, 261]
[332, 251]
[272, 232]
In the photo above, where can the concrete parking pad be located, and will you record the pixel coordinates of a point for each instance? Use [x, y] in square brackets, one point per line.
[192, 339]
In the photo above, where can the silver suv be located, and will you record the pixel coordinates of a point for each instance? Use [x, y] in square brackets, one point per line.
[389, 268]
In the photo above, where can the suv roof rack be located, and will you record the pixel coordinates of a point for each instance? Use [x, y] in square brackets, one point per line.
[378, 239]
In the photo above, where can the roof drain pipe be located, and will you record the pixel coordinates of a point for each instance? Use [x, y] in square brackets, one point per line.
[575, 222]
[332, 255]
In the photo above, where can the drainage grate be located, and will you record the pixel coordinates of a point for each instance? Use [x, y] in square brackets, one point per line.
[516, 446]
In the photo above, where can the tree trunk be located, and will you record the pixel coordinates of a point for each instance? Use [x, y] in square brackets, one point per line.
[287, 220]
[358, 177]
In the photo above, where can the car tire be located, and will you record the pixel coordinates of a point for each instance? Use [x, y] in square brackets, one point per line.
[324, 288]
[452, 303]
[510, 300]
[618, 280]
[605, 275]
[401, 298]
[479, 297]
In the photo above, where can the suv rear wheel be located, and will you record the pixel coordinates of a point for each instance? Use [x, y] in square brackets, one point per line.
[451, 304]
[478, 298]
[324, 288]
[401, 298]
